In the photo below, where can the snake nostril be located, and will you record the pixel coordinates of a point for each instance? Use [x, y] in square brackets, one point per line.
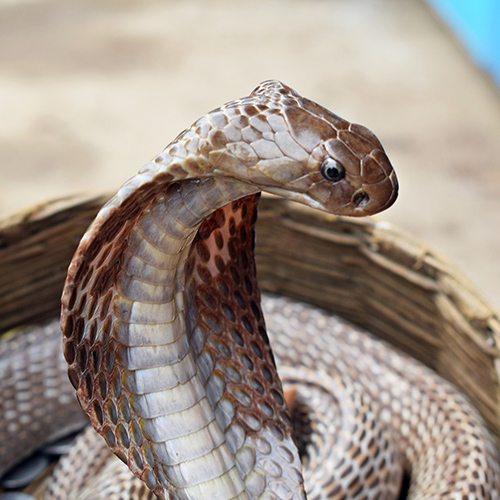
[361, 199]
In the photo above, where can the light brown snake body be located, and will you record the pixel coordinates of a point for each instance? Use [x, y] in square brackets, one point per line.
[168, 351]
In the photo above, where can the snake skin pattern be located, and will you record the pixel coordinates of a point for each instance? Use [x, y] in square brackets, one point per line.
[311, 349]
[164, 333]
[100, 476]
[34, 388]
[330, 370]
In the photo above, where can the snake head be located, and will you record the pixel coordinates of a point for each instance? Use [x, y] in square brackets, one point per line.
[351, 174]
[290, 146]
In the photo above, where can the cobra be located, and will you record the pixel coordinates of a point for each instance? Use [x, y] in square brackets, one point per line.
[168, 351]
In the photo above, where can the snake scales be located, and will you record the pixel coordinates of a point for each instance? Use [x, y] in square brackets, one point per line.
[165, 338]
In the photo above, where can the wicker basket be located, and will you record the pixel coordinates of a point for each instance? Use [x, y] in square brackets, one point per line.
[366, 271]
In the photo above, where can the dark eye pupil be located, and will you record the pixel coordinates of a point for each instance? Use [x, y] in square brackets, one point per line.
[332, 170]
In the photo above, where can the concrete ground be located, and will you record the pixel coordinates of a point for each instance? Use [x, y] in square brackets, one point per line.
[91, 89]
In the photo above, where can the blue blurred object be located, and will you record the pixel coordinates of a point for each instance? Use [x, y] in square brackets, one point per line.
[477, 25]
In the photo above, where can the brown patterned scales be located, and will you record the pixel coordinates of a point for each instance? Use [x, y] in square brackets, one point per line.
[162, 323]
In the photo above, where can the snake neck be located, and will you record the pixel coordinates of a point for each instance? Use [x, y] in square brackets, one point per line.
[185, 389]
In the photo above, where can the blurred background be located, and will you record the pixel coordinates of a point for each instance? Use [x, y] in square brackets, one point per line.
[92, 89]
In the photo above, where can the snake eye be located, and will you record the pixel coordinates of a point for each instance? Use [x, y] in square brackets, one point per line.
[332, 170]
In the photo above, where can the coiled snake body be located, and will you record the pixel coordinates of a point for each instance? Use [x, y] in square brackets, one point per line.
[167, 346]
